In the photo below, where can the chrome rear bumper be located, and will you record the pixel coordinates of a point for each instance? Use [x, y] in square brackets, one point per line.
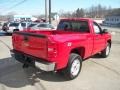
[40, 64]
[45, 66]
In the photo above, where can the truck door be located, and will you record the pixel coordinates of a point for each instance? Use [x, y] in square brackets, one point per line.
[99, 39]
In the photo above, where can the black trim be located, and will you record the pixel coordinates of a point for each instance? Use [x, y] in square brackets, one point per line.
[30, 34]
[33, 58]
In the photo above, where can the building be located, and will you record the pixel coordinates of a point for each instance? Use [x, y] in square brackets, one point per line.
[112, 20]
[24, 18]
[98, 20]
[55, 16]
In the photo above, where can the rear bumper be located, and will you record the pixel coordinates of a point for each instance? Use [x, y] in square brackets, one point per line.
[38, 63]
[45, 66]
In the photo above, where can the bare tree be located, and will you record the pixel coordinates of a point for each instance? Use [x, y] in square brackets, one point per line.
[80, 12]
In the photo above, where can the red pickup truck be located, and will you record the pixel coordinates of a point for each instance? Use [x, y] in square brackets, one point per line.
[64, 49]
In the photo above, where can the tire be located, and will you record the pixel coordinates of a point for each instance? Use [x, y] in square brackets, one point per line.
[105, 53]
[74, 66]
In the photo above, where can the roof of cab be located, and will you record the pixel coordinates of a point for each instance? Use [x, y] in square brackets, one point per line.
[77, 19]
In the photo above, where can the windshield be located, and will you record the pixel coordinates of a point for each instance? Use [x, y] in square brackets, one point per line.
[23, 24]
[77, 26]
[14, 24]
[43, 25]
[31, 25]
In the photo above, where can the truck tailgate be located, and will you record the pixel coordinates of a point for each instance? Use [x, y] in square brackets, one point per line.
[30, 43]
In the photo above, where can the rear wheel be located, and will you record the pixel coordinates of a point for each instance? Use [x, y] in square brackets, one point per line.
[105, 53]
[74, 66]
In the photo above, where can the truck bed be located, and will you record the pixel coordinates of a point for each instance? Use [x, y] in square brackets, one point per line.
[46, 32]
[35, 43]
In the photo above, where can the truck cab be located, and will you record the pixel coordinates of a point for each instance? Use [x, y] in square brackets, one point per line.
[64, 49]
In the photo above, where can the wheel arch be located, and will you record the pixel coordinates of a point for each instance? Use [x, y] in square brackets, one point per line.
[80, 51]
[110, 42]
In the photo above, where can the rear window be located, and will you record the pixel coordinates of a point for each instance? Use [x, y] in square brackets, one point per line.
[77, 26]
[64, 25]
[14, 24]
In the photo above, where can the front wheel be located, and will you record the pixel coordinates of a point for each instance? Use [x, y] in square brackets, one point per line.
[74, 66]
[105, 53]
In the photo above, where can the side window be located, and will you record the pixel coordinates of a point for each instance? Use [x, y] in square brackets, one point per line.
[96, 27]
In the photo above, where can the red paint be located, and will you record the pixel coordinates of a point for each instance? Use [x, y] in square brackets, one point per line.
[57, 45]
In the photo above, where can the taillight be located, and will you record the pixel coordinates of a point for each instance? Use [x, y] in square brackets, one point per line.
[52, 49]
[13, 40]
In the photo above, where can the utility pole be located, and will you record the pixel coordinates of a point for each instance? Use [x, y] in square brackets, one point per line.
[46, 10]
[50, 11]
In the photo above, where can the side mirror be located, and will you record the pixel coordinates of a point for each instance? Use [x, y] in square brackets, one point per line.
[105, 31]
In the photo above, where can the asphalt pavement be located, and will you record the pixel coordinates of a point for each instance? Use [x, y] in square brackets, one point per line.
[97, 73]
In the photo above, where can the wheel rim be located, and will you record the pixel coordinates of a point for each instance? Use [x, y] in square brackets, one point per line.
[107, 50]
[75, 67]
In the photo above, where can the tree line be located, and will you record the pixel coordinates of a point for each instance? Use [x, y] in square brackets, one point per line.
[97, 11]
